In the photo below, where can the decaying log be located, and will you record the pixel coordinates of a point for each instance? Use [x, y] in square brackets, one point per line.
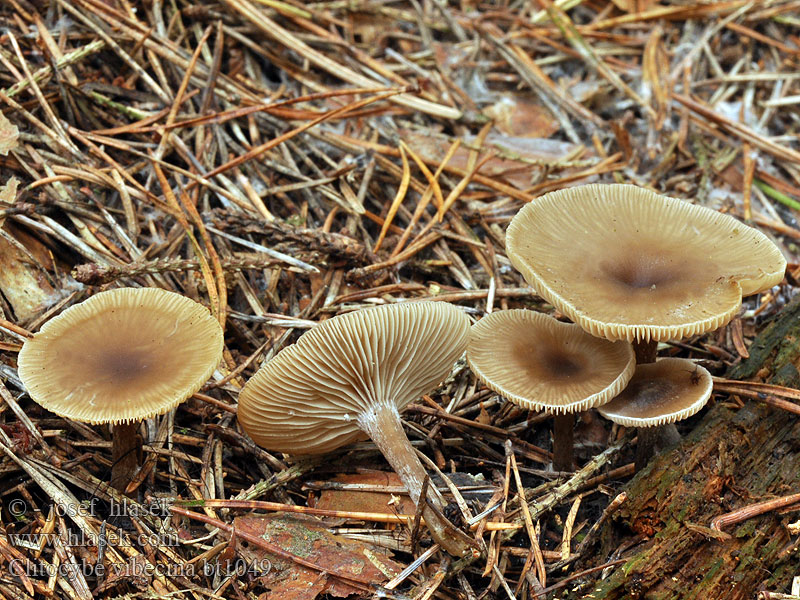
[733, 459]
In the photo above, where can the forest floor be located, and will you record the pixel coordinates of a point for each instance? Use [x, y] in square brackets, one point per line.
[282, 162]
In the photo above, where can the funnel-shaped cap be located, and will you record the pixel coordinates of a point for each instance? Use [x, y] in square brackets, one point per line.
[628, 264]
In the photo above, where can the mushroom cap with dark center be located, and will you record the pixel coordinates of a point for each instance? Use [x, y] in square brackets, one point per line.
[666, 391]
[542, 364]
[626, 263]
[308, 399]
[122, 355]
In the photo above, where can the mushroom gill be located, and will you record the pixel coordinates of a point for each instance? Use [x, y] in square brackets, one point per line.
[350, 376]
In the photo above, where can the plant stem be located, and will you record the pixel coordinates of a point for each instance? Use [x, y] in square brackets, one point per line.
[382, 423]
[126, 447]
[563, 427]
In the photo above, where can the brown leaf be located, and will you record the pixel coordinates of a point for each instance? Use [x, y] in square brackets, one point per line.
[8, 195]
[484, 416]
[303, 585]
[24, 283]
[514, 166]
[522, 115]
[8, 192]
[367, 501]
[305, 538]
[8, 135]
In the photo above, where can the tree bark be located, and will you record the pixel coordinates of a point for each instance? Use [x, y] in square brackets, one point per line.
[730, 461]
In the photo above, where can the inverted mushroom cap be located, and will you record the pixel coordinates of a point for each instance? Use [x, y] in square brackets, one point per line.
[122, 355]
[542, 364]
[628, 264]
[308, 398]
[666, 391]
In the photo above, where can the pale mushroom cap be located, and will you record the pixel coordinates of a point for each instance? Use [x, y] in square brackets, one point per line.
[121, 356]
[666, 391]
[542, 364]
[308, 398]
[628, 264]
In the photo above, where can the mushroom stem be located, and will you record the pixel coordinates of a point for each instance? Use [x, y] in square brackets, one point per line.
[126, 446]
[652, 439]
[645, 351]
[563, 427]
[382, 424]
[645, 446]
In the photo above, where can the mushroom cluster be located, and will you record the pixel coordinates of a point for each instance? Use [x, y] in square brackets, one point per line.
[120, 357]
[542, 364]
[626, 265]
[348, 378]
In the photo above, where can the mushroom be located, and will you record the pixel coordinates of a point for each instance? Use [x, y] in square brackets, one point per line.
[120, 357]
[542, 364]
[659, 393]
[350, 376]
[628, 264]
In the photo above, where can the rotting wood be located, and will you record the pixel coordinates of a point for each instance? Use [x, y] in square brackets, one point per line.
[730, 461]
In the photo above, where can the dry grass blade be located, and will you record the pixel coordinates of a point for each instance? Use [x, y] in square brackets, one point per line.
[275, 31]
[573, 36]
[740, 130]
[398, 199]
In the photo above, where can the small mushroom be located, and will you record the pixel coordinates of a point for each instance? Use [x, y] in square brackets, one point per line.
[542, 364]
[626, 263]
[120, 357]
[350, 376]
[659, 393]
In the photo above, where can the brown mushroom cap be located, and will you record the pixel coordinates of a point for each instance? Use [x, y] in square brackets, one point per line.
[542, 364]
[308, 399]
[628, 264]
[666, 391]
[121, 356]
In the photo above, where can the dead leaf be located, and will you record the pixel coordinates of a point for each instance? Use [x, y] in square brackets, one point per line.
[522, 115]
[515, 154]
[8, 192]
[8, 195]
[23, 281]
[483, 417]
[305, 538]
[367, 501]
[8, 135]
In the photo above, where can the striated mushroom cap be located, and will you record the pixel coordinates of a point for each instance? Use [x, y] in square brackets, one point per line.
[666, 391]
[542, 364]
[308, 398]
[628, 264]
[122, 355]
